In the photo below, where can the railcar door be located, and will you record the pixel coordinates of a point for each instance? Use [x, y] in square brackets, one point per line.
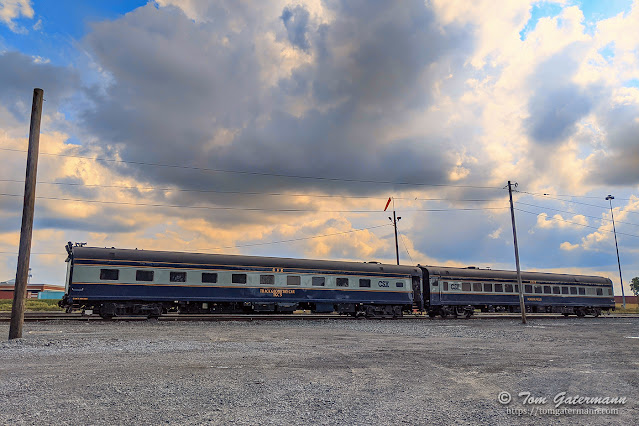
[418, 296]
[435, 289]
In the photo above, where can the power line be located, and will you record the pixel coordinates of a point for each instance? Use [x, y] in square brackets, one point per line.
[405, 246]
[564, 211]
[124, 203]
[264, 243]
[575, 223]
[246, 172]
[214, 191]
[576, 202]
[572, 196]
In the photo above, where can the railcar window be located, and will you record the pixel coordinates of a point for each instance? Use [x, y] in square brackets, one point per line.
[476, 286]
[591, 291]
[209, 277]
[267, 279]
[565, 290]
[538, 289]
[465, 286]
[435, 283]
[599, 292]
[609, 292]
[528, 288]
[341, 282]
[509, 288]
[399, 284]
[321, 282]
[547, 289]
[582, 291]
[499, 288]
[516, 288]
[556, 290]
[177, 277]
[141, 275]
[488, 287]
[364, 282]
[109, 274]
[293, 280]
[573, 290]
[238, 278]
[445, 286]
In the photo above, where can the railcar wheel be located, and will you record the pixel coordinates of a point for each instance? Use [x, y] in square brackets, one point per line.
[596, 313]
[469, 314]
[397, 312]
[580, 312]
[566, 315]
[444, 314]
[432, 314]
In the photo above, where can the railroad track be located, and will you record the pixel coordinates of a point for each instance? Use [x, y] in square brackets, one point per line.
[62, 316]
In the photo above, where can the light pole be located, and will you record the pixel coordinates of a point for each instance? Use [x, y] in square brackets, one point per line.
[395, 220]
[623, 296]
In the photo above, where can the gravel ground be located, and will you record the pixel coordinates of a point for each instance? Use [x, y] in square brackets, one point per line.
[317, 372]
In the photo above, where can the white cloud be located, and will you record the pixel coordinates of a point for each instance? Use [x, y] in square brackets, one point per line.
[10, 10]
[496, 233]
[568, 246]
[558, 221]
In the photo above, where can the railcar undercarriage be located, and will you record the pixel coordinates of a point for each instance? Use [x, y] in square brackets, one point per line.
[468, 311]
[110, 309]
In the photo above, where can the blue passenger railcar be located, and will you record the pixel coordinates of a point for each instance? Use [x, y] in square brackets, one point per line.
[112, 282]
[459, 291]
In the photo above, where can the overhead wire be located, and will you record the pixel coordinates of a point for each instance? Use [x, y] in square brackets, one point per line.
[569, 195]
[291, 210]
[405, 246]
[578, 202]
[214, 191]
[578, 224]
[580, 214]
[259, 244]
[247, 172]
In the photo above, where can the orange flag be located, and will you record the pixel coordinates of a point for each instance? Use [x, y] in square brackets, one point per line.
[387, 203]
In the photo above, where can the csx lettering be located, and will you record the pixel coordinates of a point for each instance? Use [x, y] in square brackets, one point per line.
[384, 284]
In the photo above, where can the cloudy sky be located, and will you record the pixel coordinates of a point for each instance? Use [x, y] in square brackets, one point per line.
[281, 128]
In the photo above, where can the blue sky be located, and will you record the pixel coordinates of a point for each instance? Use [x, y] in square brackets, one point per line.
[280, 128]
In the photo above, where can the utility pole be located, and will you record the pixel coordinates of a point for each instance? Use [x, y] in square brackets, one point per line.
[522, 305]
[22, 272]
[623, 296]
[394, 219]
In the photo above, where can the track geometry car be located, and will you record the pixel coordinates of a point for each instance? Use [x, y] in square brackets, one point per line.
[112, 282]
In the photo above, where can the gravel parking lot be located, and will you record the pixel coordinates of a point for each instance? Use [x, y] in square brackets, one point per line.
[318, 372]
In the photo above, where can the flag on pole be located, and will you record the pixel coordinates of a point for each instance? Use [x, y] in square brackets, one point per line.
[387, 203]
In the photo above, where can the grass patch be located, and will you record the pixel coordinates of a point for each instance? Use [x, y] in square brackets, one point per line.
[33, 305]
[627, 310]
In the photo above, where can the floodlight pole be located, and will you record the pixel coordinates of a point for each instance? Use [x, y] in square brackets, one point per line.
[522, 305]
[623, 296]
[24, 252]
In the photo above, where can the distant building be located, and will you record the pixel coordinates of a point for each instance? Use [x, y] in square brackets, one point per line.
[631, 302]
[33, 290]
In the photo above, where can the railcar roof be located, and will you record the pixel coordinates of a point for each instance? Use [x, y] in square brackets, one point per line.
[474, 273]
[229, 259]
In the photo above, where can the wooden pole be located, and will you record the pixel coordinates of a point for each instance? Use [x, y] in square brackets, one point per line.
[522, 305]
[22, 273]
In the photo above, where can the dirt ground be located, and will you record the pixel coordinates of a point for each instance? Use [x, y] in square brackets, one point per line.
[321, 372]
